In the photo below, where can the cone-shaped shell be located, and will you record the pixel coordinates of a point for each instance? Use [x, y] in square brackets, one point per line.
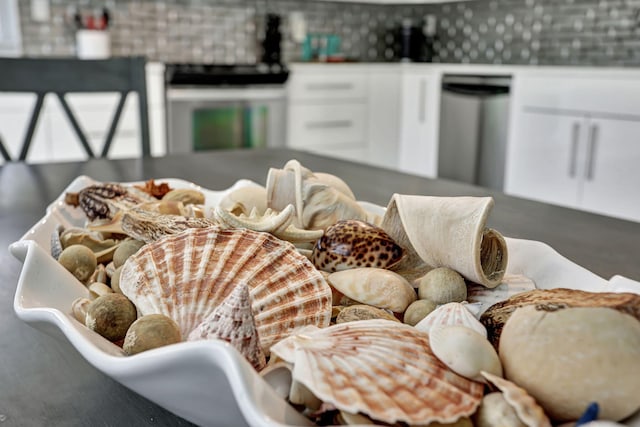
[447, 232]
[381, 368]
[186, 276]
[232, 321]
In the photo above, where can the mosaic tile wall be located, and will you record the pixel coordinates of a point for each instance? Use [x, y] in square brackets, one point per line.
[577, 32]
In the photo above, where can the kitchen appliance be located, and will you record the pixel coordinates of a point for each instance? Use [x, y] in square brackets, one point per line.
[415, 43]
[474, 119]
[225, 106]
[271, 51]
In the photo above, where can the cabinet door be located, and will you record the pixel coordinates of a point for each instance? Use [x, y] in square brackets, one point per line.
[418, 151]
[545, 159]
[612, 169]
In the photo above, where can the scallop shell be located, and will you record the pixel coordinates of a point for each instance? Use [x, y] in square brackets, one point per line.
[187, 275]
[233, 321]
[453, 313]
[354, 243]
[525, 406]
[380, 368]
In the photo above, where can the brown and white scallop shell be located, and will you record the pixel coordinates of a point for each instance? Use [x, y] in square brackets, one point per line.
[187, 275]
[383, 369]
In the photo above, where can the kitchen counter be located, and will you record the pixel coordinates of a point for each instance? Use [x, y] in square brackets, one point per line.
[46, 381]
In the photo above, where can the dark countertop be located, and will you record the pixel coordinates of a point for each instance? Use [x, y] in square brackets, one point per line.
[44, 381]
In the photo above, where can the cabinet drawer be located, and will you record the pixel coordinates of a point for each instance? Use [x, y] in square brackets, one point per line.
[316, 87]
[326, 125]
[596, 96]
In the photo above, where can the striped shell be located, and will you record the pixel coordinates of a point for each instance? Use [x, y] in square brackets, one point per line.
[187, 275]
[528, 410]
[380, 368]
[453, 313]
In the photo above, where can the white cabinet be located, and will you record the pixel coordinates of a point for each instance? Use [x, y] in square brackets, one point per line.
[345, 111]
[327, 113]
[581, 152]
[419, 124]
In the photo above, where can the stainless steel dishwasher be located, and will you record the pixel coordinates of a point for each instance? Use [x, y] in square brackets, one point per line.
[474, 120]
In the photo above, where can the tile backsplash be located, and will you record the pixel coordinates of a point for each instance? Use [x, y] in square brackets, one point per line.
[545, 32]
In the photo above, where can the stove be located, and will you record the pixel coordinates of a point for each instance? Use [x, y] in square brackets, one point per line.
[187, 74]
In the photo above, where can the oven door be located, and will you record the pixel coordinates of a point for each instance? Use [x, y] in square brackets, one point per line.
[224, 118]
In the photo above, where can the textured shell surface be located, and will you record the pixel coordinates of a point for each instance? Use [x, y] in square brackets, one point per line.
[495, 317]
[233, 321]
[374, 286]
[380, 368]
[354, 243]
[187, 275]
[512, 284]
[453, 313]
[464, 351]
[525, 406]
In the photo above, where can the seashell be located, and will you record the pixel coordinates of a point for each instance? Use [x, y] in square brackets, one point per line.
[453, 313]
[374, 286]
[233, 321]
[102, 201]
[56, 244]
[243, 200]
[276, 223]
[495, 317]
[319, 201]
[512, 284]
[446, 232]
[185, 276]
[465, 351]
[187, 196]
[94, 240]
[496, 411]
[149, 226]
[525, 406]
[352, 243]
[363, 312]
[569, 357]
[385, 370]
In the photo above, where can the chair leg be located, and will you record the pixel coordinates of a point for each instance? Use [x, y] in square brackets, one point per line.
[75, 125]
[32, 127]
[4, 152]
[114, 125]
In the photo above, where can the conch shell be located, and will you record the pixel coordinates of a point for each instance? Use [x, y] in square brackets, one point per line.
[320, 200]
[446, 232]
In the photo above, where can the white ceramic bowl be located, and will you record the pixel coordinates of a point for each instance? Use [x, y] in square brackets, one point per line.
[211, 383]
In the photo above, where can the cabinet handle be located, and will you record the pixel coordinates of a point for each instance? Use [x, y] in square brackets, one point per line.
[330, 86]
[593, 141]
[422, 108]
[326, 124]
[575, 134]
